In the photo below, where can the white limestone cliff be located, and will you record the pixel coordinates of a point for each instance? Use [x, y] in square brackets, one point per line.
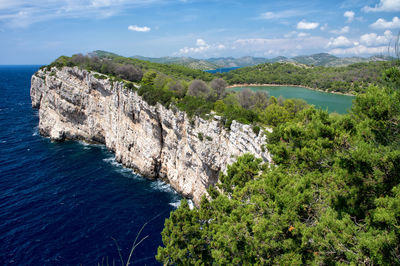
[155, 141]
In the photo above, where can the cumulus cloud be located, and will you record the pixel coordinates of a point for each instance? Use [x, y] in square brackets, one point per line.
[279, 46]
[384, 6]
[383, 24]
[201, 42]
[303, 25]
[359, 50]
[349, 15]
[343, 30]
[372, 39]
[201, 47]
[138, 29]
[279, 15]
[340, 41]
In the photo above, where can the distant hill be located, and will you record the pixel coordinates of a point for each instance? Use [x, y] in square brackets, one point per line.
[324, 59]
[321, 59]
[184, 61]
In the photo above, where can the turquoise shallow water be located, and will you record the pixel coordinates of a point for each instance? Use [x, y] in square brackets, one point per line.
[332, 102]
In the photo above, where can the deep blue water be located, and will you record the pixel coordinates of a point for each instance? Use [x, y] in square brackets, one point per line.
[221, 70]
[61, 203]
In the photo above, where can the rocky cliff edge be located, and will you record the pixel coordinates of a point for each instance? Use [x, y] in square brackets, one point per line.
[157, 142]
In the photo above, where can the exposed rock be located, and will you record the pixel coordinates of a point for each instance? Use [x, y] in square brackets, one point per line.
[155, 141]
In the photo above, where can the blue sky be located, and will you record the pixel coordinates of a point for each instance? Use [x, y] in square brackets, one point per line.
[37, 32]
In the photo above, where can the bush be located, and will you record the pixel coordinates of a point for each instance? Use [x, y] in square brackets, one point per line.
[195, 106]
[199, 88]
[256, 129]
[152, 96]
[219, 85]
[200, 136]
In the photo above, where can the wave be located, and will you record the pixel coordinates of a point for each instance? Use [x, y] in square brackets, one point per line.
[162, 186]
[177, 203]
[118, 167]
[35, 131]
[87, 146]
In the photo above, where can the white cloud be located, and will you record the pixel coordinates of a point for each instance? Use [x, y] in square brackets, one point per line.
[383, 24]
[359, 50]
[303, 34]
[372, 39]
[279, 46]
[200, 42]
[278, 15]
[384, 6]
[340, 41]
[324, 27]
[343, 30]
[303, 25]
[349, 15]
[201, 47]
[22, 13]
[290, 34]
[139, 29]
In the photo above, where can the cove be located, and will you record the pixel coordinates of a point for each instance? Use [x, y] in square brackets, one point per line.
[338, 103]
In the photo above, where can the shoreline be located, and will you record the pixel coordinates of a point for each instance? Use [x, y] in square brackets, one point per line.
[285, 85]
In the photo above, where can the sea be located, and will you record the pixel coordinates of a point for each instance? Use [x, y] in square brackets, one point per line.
[69, 203]
[222, 70]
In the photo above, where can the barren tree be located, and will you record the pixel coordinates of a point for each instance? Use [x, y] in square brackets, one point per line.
[199, 88]
[219, 85]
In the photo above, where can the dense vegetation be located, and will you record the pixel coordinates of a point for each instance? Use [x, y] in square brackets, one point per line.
[321, 59]
[332, 195]
[193, 91]
[107, 63]
[354, 78]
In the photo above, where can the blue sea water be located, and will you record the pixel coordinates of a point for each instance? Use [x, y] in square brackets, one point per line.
[62, 203]
[222, 70]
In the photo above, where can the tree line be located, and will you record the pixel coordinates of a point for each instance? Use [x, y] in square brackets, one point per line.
[354, 78]
[331, 196]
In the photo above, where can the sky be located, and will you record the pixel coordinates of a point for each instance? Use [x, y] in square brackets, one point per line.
[39, 31]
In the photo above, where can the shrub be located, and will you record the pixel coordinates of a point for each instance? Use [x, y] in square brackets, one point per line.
[219, 85]
[199, 88]
[200, 136]
[256, 129]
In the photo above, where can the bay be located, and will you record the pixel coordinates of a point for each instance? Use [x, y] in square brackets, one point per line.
[338, 103]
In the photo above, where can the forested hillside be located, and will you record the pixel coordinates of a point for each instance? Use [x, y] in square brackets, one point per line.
[332, 195]
[321, 59]
[354, 78]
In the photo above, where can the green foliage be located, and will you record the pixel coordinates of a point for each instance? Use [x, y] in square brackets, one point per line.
[148, 78]
[195, 106]
[200, 136]
[391, 77]
[100, 76]
[153, 96]
[354, 78]
[332, 195]
[256, 129]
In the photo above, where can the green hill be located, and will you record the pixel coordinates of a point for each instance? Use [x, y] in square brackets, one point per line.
[321, 59]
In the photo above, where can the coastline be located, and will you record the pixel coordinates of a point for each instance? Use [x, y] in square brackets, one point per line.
[285, 85]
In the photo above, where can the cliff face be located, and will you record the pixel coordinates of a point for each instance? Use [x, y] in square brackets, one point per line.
[155, 141]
